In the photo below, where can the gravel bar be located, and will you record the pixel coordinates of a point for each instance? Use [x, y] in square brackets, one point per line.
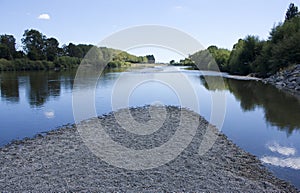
[60, 161]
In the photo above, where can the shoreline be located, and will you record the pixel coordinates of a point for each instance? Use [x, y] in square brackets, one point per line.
[60, 161]
[287, 80]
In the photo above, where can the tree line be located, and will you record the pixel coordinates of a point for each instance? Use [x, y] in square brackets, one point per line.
[251, 55]
[42, 53]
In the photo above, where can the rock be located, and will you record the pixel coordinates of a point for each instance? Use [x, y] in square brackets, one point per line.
[288, 80]
[292, 79]
[291, 86]
[281, 84]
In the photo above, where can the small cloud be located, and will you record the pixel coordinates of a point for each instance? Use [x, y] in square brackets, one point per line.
[44, 16]
[178, 7]
[293, 163]
[286, 151]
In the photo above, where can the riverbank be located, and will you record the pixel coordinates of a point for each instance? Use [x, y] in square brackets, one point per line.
[60, 161]
[287, 80]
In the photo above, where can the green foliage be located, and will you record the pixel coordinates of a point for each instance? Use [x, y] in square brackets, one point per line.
[150, 59]
[184, 62]
[42, 53]
[34, 43]
[221, 57]
[264, 58]
[210, 59]
[252, 55]
[123, 59]
[7, 46]
[66, 62]
[244, 54]
[281, 50]
[6, 65]
[261, 64]
[4, 52]
[24, 64]
[203, 60]
[78, 51]
[51, 48]
[291, 12]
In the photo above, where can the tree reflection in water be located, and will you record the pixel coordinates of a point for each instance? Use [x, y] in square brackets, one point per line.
[280, 108]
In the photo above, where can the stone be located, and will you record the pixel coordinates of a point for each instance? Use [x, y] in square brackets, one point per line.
[288, 80]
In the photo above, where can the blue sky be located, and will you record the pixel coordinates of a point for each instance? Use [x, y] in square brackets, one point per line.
[211, 22]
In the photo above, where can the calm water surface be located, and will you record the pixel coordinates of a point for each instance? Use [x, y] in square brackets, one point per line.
[259, 118]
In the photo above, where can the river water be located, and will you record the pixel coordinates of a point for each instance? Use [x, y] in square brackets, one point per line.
[259, 118]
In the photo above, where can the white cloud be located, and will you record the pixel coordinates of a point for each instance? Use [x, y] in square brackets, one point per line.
[286, 151]
[293, 163]
[44, 16]
[178, 7]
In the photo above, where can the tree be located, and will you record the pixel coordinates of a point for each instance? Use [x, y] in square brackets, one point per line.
[150, 58]
[204, 60]
[244, 54]
[51, 48]
[291, 12]
[34, 43]
[8, 49]
[4, 52]
[74, 51]
[186, 62]
[84, 49]
[282, 48]
[221, 57]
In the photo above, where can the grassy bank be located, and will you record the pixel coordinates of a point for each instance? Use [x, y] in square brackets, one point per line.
[25, 64]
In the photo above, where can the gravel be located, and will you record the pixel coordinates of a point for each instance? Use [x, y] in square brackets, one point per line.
[60, 161]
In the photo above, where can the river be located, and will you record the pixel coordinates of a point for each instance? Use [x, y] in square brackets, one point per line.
[259, 118]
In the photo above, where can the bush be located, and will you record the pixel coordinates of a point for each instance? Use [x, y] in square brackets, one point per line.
[66, 62]
[6, 65]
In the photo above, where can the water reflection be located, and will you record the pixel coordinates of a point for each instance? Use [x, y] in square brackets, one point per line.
[280, 109]
[293, 163]
[282, 150]
[10, 87]
[49, 114]
[38, 92]
[39, 86]
[284, 158]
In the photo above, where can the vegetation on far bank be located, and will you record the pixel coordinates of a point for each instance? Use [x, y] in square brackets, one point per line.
[252, 55]
[42, 53]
